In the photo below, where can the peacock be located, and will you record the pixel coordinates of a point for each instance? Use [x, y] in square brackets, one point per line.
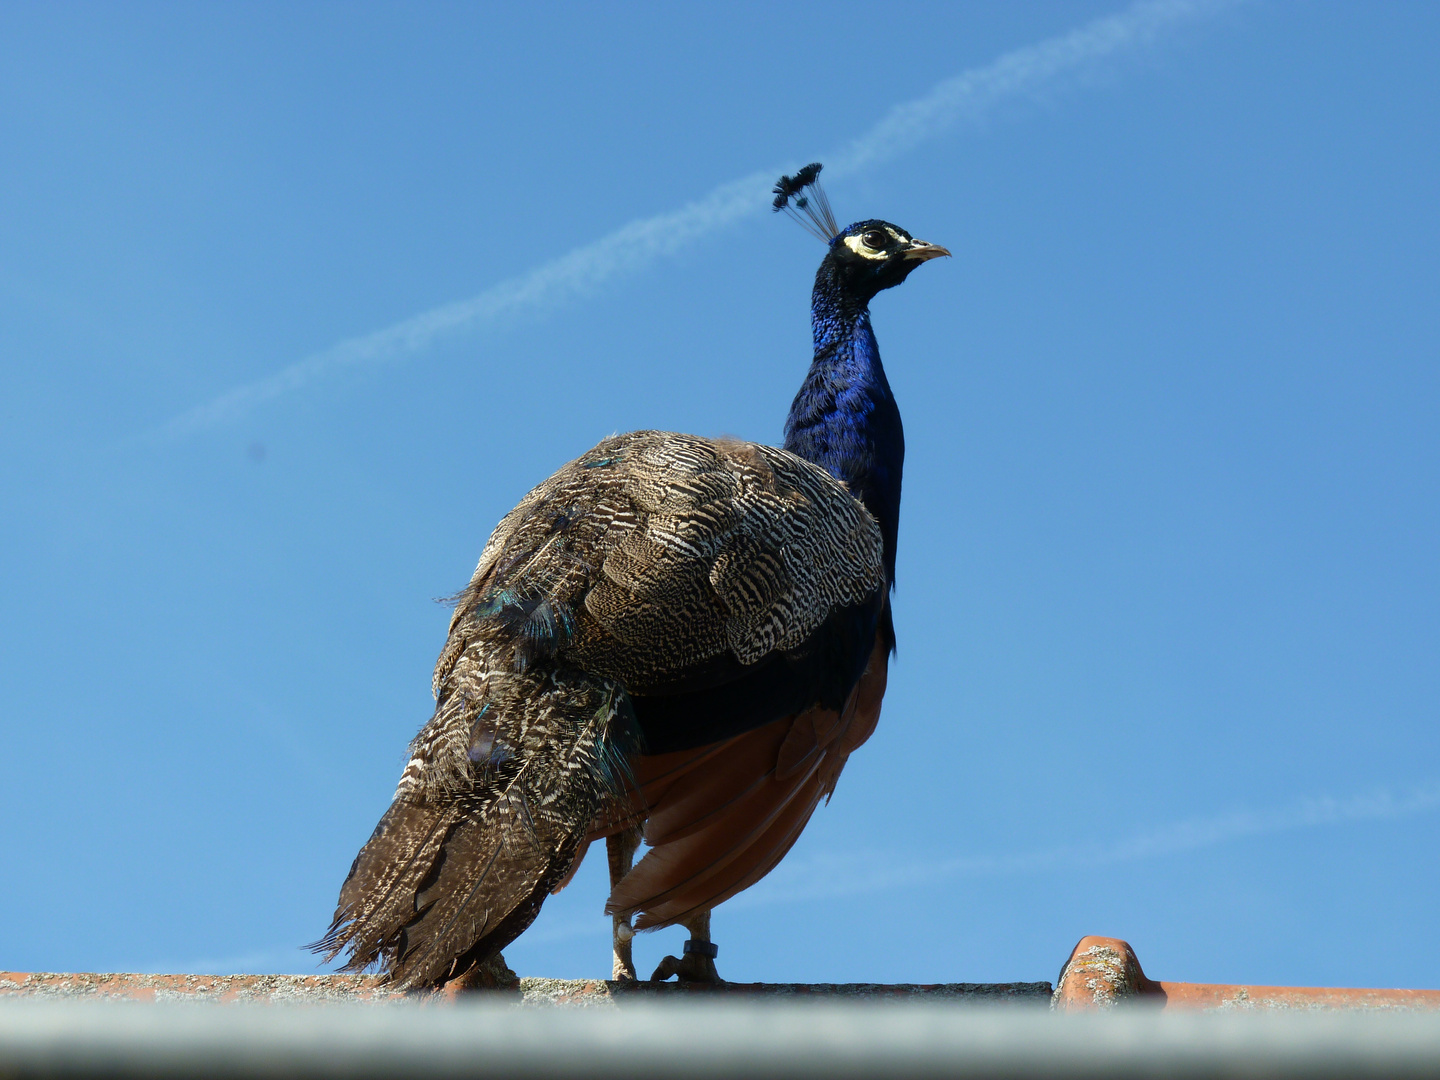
[673, 638]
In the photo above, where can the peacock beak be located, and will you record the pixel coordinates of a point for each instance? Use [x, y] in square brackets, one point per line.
[919, 251]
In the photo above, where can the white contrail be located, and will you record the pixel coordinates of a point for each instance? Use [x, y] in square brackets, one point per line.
[840, 874]
[967, 97]
[625, 249]
[1024, 72]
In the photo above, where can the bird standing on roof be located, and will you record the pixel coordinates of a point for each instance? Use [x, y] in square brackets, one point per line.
[673, 638]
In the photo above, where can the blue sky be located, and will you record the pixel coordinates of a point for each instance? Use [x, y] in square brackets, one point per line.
[1168, 598]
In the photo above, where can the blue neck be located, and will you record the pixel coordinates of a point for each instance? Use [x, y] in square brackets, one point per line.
[845, 418]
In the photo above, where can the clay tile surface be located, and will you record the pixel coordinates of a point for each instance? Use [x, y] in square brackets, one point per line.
[1103, 973]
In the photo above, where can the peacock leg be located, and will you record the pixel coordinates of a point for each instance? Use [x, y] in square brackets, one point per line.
[620, 849]
[698, 963]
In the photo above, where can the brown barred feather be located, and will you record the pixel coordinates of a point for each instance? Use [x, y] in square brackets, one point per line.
[462, 860]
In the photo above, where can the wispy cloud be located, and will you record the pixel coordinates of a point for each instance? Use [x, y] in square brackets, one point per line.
[831, 874]
[965, 98]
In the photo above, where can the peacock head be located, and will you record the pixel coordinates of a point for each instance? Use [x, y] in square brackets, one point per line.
[874, 255]
[864, 258]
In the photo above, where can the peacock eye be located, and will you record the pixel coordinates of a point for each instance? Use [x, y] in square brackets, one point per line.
[874, 239]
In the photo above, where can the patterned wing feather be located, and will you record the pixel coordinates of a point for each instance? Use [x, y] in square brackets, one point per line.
[656, 552]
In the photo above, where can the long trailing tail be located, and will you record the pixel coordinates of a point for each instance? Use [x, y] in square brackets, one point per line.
[488, 818]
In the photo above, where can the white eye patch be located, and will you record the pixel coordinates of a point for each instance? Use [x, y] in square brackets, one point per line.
[859, 247]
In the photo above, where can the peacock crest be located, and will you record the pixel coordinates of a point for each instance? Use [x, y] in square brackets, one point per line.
[803, 199]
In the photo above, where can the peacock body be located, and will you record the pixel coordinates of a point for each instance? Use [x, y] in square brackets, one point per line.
[673, 633]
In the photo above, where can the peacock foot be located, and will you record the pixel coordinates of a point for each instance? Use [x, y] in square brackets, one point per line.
[623, 969]
[697, 965]
[620, 851]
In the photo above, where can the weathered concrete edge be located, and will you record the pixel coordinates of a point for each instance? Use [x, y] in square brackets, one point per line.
[538, 992]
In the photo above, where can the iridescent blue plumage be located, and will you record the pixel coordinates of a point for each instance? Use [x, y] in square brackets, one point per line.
[845, 417]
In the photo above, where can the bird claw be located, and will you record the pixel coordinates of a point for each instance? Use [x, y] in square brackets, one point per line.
[692, 968]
